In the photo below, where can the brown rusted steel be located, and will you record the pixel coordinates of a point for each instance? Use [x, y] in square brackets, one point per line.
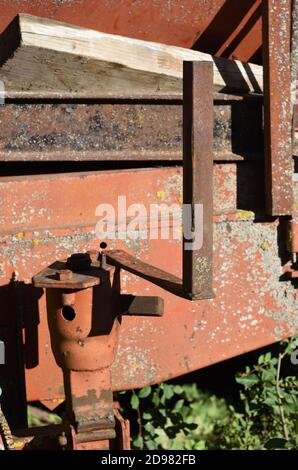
[198, 178]
[277, 105]
[167, 281]
[292, 242]
[60, 437]
[84, 331]
[64, 436]
[197, 278]
[57, 275]
[142, 305]
[80, 349]
[83, 307]
[89, 399]
[90, 131]
[123, 431]
[100, 435]
[108, 131]
[294, 67]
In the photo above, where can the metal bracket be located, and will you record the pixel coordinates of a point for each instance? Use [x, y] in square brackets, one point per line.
[197, 277]
[84, 304]
[83, 271]
[277, 106]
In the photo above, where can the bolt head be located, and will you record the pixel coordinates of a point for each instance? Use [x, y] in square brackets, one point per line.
[79, 262]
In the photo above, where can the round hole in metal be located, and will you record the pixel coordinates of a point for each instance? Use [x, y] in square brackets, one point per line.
[68, 313]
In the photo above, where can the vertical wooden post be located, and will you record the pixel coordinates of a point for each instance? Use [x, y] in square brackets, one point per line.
[198, 178]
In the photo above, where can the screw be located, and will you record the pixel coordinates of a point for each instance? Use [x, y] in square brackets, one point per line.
[103, 260]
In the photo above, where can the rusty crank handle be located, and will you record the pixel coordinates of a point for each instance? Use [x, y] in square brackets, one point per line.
[197, 251]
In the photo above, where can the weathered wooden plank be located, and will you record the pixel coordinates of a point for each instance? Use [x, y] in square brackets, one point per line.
[41, 55]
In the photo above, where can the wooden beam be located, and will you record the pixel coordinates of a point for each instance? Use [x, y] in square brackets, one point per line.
[40, 55]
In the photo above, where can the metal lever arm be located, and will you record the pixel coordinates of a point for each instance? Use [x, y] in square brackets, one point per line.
[197, 253]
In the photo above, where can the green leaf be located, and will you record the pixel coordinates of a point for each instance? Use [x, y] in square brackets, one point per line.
[168, 391]
[138, 442]
[134, 402]
[155, 399]
[178, 390]
[248, 381]
[261, 359]
[146, 415]
[178, 405]
[269, 375]
[144, 392]
[271, 401]
[150, 444]
[267, 357]
[150, 428]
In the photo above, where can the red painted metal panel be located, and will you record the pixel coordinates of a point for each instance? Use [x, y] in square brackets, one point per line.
[252, 307]
[44, 218]
[228, 28]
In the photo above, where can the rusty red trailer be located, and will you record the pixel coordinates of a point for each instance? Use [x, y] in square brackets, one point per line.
[61, 159]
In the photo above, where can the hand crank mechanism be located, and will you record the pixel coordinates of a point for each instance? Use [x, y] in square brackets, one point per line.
[84, 303]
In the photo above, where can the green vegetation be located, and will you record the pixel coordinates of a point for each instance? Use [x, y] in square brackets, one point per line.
[183, 417]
